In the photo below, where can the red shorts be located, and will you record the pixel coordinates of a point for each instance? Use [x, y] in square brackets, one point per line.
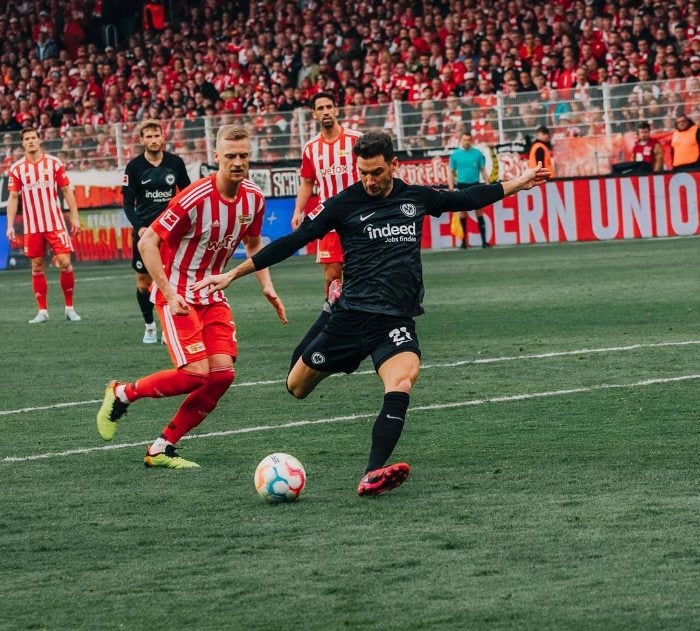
[206, 330]
[35, 243]
[329, 249]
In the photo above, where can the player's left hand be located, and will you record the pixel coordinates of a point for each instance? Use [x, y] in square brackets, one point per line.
[536, 176]
[277, 303]
[74, 228]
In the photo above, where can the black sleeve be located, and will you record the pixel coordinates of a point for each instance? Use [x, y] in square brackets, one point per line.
[539, 155]
[183, 179]
[282, 248]
[471, 198]
[130, 201]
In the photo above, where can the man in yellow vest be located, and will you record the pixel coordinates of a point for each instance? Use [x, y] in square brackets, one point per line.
[685, 145]
[541, 150]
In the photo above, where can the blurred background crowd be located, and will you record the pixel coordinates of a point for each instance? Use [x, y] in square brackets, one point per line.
[84, 72]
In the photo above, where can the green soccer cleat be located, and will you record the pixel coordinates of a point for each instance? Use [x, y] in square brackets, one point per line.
[168, 459]
[110, 412]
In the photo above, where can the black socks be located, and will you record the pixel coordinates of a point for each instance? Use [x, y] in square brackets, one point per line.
[146, 306]
[387, 428]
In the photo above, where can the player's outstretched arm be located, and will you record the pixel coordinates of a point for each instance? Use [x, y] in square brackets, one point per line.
[252, 246]
[216, 282]
[527, 180]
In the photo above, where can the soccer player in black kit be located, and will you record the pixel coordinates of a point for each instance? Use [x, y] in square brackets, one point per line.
[379, 221]
[151, 180]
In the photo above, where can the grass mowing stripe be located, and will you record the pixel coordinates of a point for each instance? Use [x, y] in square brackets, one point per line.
[465, 362]
[363, 415]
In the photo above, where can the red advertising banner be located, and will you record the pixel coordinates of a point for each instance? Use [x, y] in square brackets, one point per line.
[599, 209]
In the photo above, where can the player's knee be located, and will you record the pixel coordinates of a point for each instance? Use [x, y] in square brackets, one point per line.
[66, 267]
[296, 391]
[191, 379]
[219, 380]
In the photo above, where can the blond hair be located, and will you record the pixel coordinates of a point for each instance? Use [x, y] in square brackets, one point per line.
[231, 132]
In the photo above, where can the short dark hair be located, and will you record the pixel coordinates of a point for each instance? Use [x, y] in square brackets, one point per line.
[374, 142]
[644, 125]
[28, 130]
[322, 95]
[542, 130]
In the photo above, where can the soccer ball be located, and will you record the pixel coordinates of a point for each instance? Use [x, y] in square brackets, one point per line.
[279, 478]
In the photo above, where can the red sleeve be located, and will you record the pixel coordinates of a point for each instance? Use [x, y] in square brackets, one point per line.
[61, 176]
[13, 183]
[307, 166]
[255, 229]
[172, 223]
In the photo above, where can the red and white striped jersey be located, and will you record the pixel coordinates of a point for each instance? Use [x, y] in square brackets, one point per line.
[200, 231]
[38, 184]
[331, 164]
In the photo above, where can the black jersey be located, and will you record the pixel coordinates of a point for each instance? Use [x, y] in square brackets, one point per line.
[147, 189]
[381, 240]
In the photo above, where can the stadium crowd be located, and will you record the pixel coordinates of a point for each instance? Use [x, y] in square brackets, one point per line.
[76, 68]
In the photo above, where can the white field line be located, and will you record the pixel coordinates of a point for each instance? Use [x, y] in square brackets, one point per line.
[484, 360]
[366, 415]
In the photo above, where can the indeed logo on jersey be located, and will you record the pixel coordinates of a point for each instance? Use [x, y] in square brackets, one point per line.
[391, 234]
[334, 169]
[158, 196]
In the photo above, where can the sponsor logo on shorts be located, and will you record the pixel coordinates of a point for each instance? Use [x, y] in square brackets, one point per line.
[318, 358]
[198, 347]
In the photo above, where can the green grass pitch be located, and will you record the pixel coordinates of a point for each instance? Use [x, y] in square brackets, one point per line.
[553, 435]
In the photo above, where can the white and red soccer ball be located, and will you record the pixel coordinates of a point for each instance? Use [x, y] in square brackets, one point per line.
[279, 478]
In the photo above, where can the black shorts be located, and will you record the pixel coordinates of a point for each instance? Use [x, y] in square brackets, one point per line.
[351, 336]
[136, 261]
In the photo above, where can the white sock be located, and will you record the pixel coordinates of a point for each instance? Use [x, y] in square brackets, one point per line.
[158, 446]
[151, 326]
[120, 393]
[44, 311]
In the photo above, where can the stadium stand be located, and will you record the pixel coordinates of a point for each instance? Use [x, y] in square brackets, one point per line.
[84, 72]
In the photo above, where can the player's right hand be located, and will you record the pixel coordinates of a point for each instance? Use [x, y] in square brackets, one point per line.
[297, 219]
[11, 233]
[178, 306]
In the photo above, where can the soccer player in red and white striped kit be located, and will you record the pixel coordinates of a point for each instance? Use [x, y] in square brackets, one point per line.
[195, 236]
[37, 177]
[327, 160]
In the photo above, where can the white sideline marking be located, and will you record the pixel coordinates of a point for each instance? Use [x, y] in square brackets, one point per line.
[353, 417]
[484, 360]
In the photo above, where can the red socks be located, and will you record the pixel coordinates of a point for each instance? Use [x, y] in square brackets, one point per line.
[67, 286]
[165, 383]
[41, 288]
[197, 406]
